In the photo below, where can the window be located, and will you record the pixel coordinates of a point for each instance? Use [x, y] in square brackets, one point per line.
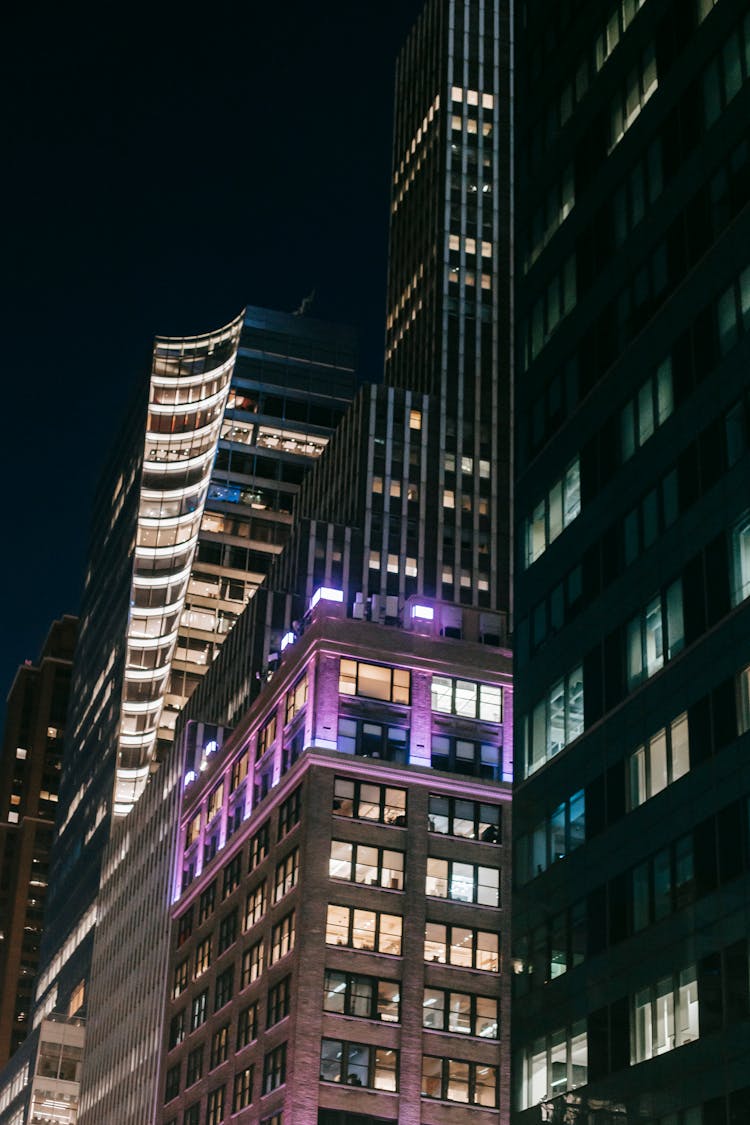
[296, 698]
[452, 816]
[554, 947]
[194, 1066]
[176, 1029]
[224, 988]
[373, 740]
[463, 882]
[199, 1010]
[467, 699]
[664, 758]
[554, 837]
[172, 1084]
[259, 846]
[466, 756]
[664, 1015]
[638, 192]
[239, 771]
[363, 801]
[549, 310]
[274, 1069]
[282, 937]
[231, 876]
[358, 1064]
[640, 83]
[656, 635]
[247, 1025]
[215, 802]
[242, 1094]
[733, 307]
[207, 902]
[374, 681]
[184, 927]
[266, 736]
[219, 1046]
[361, 863]
[740, 549]
[454, 1080]
[252, 964]
[192, 832]
[289, 812]
[255, 905]
[363, 929]
[554, 1064]
[180, 978]
[227, 931]
[553, 513]
[458, 945]
[278, 1001]
[555, 721]
[724, 77]
[192, 1114]
[202, 956]
[657, 510]
[349, 994]
[461, 1013]
[215, 1106]
[649, 409]
[662, 884]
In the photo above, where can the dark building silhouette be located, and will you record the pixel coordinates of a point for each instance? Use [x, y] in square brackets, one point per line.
[632, 643]
[30, 768]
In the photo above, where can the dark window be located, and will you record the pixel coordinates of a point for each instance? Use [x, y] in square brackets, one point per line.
[219, 1046]
[231, 876]
[278, 1001]
[227, 931]
[172, 1086]
[207, 902]
[224, 988]
[289, 812]
[247, 1025]
[274, 1069]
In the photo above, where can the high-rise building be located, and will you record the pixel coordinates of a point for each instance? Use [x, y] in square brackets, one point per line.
[632, 644]
[30, 768]
[338, 925]
[448, 304]
[191, 510]
[369, 525]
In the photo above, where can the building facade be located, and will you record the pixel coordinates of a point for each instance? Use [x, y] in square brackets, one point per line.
[30, 769]
[631, 641]
[338, 928]
[449, 272]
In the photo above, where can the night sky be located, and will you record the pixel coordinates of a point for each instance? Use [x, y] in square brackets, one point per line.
[163, 170]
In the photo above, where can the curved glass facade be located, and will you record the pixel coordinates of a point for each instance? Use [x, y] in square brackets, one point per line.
[190, 379]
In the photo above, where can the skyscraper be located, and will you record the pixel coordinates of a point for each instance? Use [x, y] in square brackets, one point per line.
[30, 768]
[368, 531]
[631, 803]
[448, 304]
[191, 509]
[338, 932]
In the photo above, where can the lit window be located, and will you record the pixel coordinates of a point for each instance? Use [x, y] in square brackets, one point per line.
[374, 681]
[21, 753]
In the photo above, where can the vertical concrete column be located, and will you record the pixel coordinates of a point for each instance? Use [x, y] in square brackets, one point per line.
[412, 985]
[323, 707]
[420, 749]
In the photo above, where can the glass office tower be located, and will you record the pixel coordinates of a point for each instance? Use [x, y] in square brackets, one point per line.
[631, 807]
[448, 304]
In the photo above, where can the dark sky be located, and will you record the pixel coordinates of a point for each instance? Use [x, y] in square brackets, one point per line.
[162, 170]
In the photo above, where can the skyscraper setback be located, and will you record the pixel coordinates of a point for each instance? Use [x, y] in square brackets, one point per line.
[631, 655]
